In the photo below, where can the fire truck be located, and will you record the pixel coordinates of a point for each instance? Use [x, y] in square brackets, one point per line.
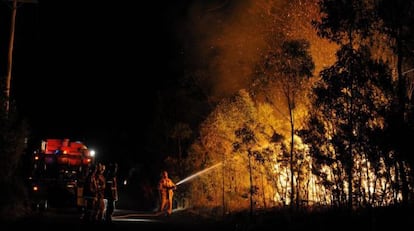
[59, 168]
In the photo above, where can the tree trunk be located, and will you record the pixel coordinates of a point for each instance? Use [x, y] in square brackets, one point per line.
[251, 185]
[292, 133]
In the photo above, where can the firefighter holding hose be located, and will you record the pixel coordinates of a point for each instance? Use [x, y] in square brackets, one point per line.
[165, 188]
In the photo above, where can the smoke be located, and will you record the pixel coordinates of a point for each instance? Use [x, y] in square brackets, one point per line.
[225, 39]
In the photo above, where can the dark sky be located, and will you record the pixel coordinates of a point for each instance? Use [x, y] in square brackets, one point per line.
[91, 70]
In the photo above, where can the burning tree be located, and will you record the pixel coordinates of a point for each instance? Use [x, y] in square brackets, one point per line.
[358, 93]
[286, 71]
[340, 157]
[246, 136]
[341, 130]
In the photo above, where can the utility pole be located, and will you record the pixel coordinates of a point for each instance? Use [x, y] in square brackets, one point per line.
[10, 54]
[13, 7]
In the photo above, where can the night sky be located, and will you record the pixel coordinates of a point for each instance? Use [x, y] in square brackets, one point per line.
[113, 75]
[116, 75]
[91, 71]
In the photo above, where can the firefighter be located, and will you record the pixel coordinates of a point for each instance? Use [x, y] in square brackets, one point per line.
[100, 193]
[165, 188]
[89, 192]
[111, 191]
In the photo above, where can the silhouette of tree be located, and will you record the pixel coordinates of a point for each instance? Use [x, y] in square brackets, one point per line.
[13, 137]
[336, 120]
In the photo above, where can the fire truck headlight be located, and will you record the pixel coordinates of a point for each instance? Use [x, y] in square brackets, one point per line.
[92, 153]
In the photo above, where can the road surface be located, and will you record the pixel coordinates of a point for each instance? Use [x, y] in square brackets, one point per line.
[58, 218]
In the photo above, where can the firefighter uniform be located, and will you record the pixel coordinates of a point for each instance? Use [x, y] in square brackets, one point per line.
[111, 191]
[90, 196]
[100, 192]
[166, 187]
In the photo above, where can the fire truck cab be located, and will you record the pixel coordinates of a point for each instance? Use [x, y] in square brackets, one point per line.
[59, 168]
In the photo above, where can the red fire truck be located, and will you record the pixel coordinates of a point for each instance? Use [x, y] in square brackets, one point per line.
[58, 172]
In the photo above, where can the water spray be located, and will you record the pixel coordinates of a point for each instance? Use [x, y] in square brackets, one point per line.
[198, 173]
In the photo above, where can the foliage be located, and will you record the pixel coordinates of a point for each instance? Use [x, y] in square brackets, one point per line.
[379, 26]
[396, 17]
[345, 21]
[341, 156]
[13, 134]
[350, 112]
[240, 129]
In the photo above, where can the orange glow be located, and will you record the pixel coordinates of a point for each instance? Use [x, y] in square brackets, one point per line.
[36, 157]
[232, 43]
[35, 188]
[314, 184]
